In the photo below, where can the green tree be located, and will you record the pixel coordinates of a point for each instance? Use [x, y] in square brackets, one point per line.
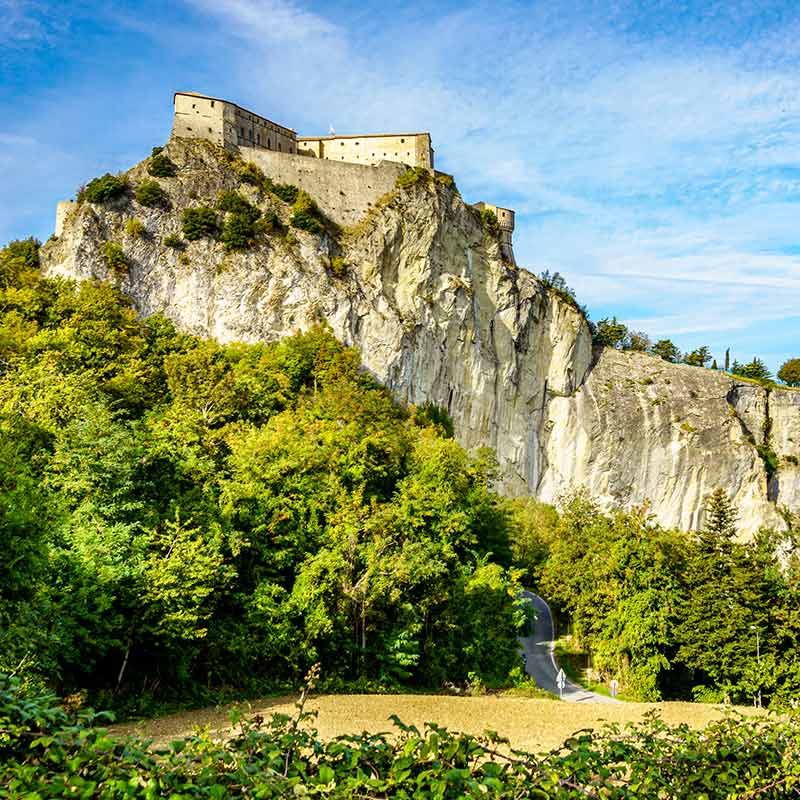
[610, 333]
[699, 357]
[789, 372]
[755, 370]
[666, 349]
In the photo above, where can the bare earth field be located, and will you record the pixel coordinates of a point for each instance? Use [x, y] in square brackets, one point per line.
[530, 724]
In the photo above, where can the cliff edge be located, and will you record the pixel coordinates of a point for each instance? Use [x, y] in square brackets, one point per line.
[409, 274]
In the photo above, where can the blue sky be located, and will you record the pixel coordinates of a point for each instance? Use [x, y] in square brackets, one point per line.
[651, 149]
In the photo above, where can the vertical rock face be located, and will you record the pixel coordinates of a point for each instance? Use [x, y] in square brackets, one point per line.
[423, 291]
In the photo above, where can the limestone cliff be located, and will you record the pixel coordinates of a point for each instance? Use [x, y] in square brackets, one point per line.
[421, 288]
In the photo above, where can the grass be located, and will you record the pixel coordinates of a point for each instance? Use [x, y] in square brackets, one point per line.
[530, 723]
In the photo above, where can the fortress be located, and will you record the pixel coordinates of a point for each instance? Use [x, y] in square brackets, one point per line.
[346, 175]
[199, 116]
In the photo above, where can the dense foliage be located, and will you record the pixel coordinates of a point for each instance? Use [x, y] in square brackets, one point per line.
[149, 193]
[199, 223]
[47, 752]
[789, 372]
[671, 615]
[102, 189]
[177, 514]
[161, 165]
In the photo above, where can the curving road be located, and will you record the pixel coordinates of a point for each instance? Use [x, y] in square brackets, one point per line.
[540, 662]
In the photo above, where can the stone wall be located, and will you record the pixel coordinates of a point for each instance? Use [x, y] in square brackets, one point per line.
[200, 117]
[344, 192]
[413, 149]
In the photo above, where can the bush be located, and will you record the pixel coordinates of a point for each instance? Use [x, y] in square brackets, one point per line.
[135, 228]
[248, 172]
[234, 203]
[238, 232]
[556, 283]
[412, 177]
[489, 221]
[161, 166]
[756, 370]
[174, 241]
[115, 258]
[150, 194]
[101, 190]
[286, 191]
[611, 333]
[269, 222]
[306, 215]
[199, 223]
[46, 751]
[338, 266]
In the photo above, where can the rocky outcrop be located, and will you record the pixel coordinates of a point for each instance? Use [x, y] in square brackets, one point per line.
[423, 291]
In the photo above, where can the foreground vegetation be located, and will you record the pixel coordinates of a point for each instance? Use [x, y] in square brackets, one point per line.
[179, 516]
[46, 751]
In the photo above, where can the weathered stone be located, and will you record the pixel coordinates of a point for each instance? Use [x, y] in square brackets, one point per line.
[440, 316]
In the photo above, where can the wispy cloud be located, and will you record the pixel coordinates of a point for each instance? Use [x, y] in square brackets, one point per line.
[651, 150]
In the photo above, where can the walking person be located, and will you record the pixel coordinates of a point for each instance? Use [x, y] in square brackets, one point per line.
[614, 687]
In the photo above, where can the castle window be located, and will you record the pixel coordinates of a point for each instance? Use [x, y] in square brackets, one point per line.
[402, 141]
[258, 138]
[210, 131]
[241, 132]
[279, 145]
[212, 104]
[341, 143]
[194, 105]
[269, 144]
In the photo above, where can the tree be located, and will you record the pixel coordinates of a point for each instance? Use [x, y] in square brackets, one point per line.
[755, 370]
[789, 372]
[640, 341]
[611, 333]
[727, 359]
[664, 348]
[699, 357]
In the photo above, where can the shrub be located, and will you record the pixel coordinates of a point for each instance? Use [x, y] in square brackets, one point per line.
[443, 179]
[248, 172]
[156, 150]
[556, 283]
[489, 220]
[412, 177]
[234, 203]
[770, 459]
[238, 232]
[101, 190]
[161, 166]
[268, 222]
[199, 223]
[286, 191]
[306, 215]
[135, 228]
[338, 266]
[174, 241]
[115, 258]
[150, 193]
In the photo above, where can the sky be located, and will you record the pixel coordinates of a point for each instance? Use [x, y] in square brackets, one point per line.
[651, 148]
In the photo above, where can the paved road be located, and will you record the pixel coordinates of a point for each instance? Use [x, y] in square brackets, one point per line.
[540, 663]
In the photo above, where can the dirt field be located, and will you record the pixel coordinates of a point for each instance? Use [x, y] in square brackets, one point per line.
[530, 724]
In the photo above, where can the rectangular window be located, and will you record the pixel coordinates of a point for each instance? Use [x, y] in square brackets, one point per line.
[212, 104]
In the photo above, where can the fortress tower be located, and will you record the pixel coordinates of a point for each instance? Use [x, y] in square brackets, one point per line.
[505, 220]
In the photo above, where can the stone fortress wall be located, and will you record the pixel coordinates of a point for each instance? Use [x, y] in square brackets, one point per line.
[413, 149]
[345, 174]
